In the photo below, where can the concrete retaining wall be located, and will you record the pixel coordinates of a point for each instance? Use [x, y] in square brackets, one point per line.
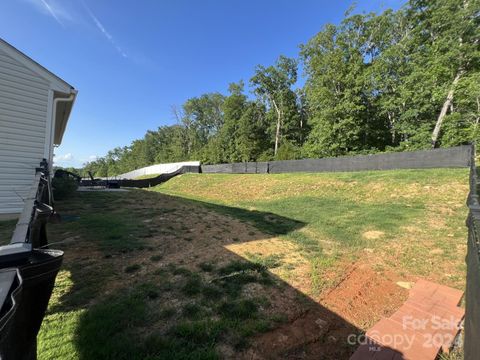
[454, 157]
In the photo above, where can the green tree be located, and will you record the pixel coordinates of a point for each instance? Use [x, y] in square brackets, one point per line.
[233, 109]
[273, 86]
[202, 118]
[339, 89]
[251, 139]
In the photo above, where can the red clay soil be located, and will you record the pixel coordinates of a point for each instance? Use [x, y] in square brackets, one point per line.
[316, 334]
[362, 297]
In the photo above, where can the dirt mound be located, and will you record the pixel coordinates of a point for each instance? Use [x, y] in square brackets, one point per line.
[361, 298]
[365, 296]
[306, 329]
[316, 334]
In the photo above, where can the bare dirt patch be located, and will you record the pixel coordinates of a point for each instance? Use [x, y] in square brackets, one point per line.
[185, 244]
[287, 341]
[373, 234]
[314, 328]
[364, 296]
[436, 251]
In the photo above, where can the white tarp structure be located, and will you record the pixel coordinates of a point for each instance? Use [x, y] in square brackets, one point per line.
[157, 169]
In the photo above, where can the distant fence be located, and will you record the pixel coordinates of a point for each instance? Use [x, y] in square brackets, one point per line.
[455, 157]
[143, 183]
[472, 294]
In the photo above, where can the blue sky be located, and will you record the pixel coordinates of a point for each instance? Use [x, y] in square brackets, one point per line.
[132, 60]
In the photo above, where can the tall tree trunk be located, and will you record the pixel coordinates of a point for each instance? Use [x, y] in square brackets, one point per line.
[279, 122]
[446, 105]
[391, 120]
[277, 135]
[477, 118]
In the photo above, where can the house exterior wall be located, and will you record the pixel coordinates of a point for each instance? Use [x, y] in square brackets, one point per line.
[25, 128]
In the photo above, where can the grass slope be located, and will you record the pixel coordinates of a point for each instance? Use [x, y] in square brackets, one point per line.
[409, 220]
[148, 176]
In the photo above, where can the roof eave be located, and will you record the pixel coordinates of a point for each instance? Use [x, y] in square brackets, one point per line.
[62, 122]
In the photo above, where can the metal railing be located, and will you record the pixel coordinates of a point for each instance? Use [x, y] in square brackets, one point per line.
[37, 210]
[30, 231]
[27, 272]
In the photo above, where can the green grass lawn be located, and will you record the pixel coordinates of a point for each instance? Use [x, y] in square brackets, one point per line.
[148, 176]
[123, 294]
[412, 220]
[213, 266]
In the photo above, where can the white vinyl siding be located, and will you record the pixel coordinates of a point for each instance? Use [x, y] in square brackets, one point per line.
[23, 120]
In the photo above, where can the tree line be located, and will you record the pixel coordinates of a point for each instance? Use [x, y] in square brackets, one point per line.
[400, 80]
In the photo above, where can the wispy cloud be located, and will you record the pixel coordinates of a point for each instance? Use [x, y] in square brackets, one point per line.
[54, 9]
[63, 160]
[51, 11]
[66, 157]
[64, 12]
[104, 31]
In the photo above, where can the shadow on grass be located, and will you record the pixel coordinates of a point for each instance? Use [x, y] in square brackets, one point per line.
[194, 300]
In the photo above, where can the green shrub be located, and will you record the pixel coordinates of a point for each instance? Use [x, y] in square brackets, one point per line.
[267, 155]
[63, 188]
[288, 151]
